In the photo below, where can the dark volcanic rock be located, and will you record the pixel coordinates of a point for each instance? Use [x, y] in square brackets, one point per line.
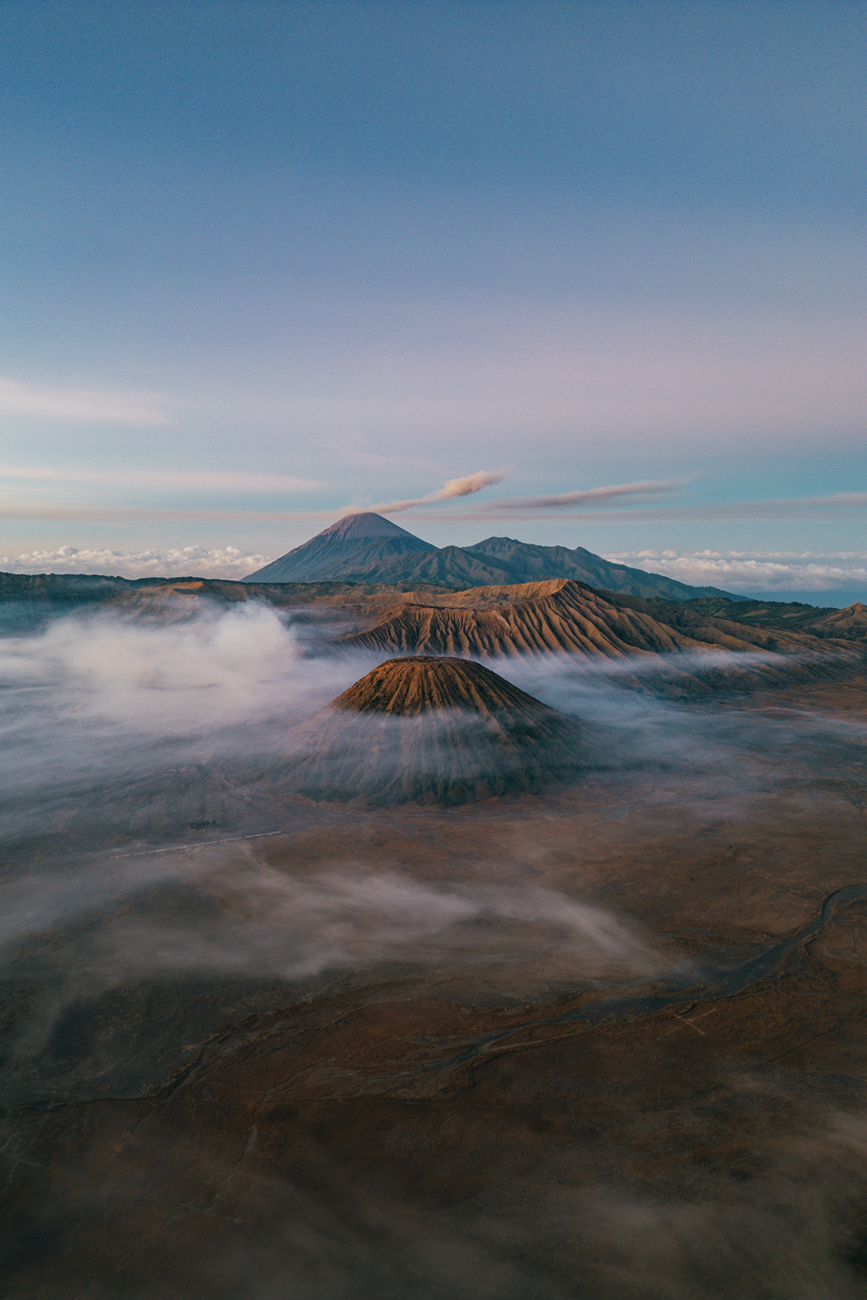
[436, 730]
[534, 563]
[354, 546]
[368, 548]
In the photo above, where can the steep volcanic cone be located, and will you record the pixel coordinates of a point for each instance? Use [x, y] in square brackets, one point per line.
[436, 730]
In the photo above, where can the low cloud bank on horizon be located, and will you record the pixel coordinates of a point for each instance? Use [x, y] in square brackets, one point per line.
[738, 571]
[183, 561]
[754, 572]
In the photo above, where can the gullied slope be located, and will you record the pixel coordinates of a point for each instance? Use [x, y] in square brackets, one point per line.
[170, 602]
[368, 548]
[565, 617]
[558, 616]
[437, 730]
[354, 547]
[408, 688]
[450, 566]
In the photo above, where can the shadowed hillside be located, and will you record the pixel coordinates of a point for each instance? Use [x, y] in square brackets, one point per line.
[530, 562]
[355, 546]
[368, 548]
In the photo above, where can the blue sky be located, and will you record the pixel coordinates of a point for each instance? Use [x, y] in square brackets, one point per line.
[265, 262]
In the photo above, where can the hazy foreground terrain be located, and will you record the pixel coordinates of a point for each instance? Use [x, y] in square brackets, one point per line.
[603, 1041]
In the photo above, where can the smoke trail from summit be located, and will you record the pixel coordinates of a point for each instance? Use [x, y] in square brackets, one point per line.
[453, 488]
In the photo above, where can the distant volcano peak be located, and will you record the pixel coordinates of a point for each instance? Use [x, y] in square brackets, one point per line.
[348, 550]
[366, 548]
[364, 525]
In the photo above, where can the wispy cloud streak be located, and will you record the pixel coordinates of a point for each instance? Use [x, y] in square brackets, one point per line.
[562, 506]
[209, 480]
[451, 489]
[82, 405]
[585, 497]
[766, 572]
[782, 508]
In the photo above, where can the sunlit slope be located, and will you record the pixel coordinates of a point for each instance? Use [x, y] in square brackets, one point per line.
[436, 730]
[409, 688]
[698, 654]
[849, 623]
[559, 616]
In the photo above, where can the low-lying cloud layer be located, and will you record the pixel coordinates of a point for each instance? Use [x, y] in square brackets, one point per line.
[151, 562]
[106, 696]
[223, 914]
[110, 716]
[121, 727]
[756, 572]
[99, 707]
[123, 957]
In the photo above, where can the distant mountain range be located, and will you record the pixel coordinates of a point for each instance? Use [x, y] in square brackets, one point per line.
[367, 548]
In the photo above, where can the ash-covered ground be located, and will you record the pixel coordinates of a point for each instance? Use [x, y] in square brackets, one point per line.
[603, 1041]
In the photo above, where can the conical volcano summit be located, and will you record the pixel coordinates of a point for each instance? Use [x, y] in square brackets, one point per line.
[353, 548]
[408, 687]
[436, 730]
[370, 549]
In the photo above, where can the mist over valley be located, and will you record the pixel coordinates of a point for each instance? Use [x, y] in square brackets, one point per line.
[433, 651]
[408, 941]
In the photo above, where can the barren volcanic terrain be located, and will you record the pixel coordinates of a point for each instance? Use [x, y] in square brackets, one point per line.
[706, 651]
[436, 730]
[595, 1037]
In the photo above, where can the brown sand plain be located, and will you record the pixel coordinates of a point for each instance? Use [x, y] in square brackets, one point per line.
[504, 1117]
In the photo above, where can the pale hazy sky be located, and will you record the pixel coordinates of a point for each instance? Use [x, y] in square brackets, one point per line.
[263, 262]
